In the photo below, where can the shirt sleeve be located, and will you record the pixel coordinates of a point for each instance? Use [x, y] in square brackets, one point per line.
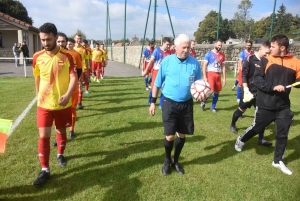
[160, 78]
[206, 57]
[35, 67]
[198, 75]
[245, 70]
[241, 55]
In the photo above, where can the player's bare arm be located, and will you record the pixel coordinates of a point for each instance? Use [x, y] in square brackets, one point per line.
[149, 64]
[204, 70]
[64, 99]
[152, 105]
[37, 85]
[240, 64]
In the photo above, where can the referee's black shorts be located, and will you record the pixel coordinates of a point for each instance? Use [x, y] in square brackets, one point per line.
[178, 117]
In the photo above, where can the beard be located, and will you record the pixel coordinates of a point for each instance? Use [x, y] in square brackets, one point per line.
[50, 48]
[217, 49]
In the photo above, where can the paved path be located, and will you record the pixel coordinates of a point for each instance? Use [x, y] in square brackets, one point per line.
[114, 69]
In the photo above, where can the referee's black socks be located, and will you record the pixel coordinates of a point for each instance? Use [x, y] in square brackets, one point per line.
[168, 148]
[179, 143]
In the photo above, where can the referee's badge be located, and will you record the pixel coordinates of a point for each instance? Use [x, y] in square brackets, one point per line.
[257, 66]
[192, 79]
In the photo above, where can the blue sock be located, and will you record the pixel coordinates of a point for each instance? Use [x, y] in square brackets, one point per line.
[146, 81]
[161, 100]
[214, 101]
[236, 82]
[149, 98]
[150, 80]
[238, 92]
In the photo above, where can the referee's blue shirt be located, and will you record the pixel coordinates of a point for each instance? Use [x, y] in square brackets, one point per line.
[176, 77]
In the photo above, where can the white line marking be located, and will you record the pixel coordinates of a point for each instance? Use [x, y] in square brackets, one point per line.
[21, 117]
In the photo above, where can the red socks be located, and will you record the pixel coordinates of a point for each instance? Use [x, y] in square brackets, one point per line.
[61, 142]
[44, 151]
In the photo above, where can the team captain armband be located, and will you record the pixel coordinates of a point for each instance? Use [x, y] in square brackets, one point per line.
[153, 100]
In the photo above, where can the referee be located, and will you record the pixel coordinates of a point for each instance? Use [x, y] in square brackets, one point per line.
[175, 77]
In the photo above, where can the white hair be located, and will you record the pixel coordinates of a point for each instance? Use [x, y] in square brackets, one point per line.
[181, 38]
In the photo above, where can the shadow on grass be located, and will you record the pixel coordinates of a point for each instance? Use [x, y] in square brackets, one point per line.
[134, 126]
[115, 178]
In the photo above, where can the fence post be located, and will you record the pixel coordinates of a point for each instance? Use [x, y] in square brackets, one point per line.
[24, 64]
[235, 68]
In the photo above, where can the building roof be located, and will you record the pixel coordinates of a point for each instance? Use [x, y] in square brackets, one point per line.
[13, 22]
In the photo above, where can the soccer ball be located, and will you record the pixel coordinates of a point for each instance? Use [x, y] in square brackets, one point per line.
[201, 90]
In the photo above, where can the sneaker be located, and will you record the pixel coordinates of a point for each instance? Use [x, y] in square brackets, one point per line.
[178, 168]
[87, 92]
[166, 169]
[264, 142]
[98, 80]
[102, 77]
[43, 176]
[233, 87]
[62, 160]
[79, 106]
[159, 107]
[282, 167]
[72, 135]
[147, 88]
[239, 144]
[238, 100]
[202, 106]
[233, 129]
[54, 143]
[214, 110]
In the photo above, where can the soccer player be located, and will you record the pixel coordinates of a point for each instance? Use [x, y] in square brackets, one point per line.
[82, 51]
[97, 55]
[213, 65]
[177, 73]
[158, 55]
[192, 51]
[87, 72]
[242, 56]
[104, 60]
[276, 71]
[145, 60]
[249, 88]
[55, 81]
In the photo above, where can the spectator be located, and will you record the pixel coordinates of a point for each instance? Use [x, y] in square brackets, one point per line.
[16, 51]
[24, 49]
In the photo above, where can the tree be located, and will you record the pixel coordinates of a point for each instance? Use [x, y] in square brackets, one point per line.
[282, 22]
[15, 9]
[207, 30]
[242, 21]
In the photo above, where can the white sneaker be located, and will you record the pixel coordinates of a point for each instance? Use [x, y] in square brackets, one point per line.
[147, 88]
[239, 144]
[238, 100]
[282, 167]
[233, 87]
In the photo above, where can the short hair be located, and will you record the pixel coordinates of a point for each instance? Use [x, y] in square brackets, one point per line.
[151, 42]
[71, 40]
[78, 34]
[219, 40]
[249, 41]
[166, 39]
[282, 40]
[266, 44]
[48, 28]
[97, 44]
[181, 38]
[85, 41]
[62, 35]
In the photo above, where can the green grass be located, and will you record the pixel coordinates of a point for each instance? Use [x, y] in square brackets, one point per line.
[118, 151]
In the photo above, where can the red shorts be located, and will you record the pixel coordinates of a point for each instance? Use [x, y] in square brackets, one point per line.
[154, 74]
[96, 65]
[240, 79]
[149, 69]
[214, 80]
[62, 118]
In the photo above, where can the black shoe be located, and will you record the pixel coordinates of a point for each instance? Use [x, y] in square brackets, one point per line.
[72, 135]
[166, 167]
[233, 129]
[62, 160]
[178, 168]
[264, 142]
[43, 176]
[79, 106]
[54, 143]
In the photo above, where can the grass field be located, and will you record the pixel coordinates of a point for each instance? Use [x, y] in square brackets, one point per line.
[118, 151]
